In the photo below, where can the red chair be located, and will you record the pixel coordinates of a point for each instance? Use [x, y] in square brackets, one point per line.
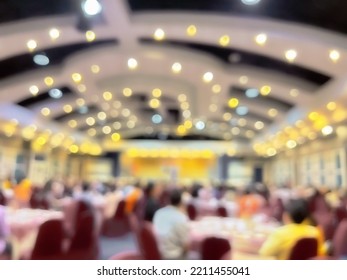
[339, 242]
[118, 225]
[277, 209]
[215, 248]
[84, 244]
[340, 213]
[222, 212]
[327, 222]
[49, 241]
[127, 256]
[3, 200]
[192, 212]
[304, 249]
[147, 242]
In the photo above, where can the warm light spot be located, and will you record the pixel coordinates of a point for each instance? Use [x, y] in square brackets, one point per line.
[331, 106]
[116, 137]
[76, 77]
[80, 102]
[188, 124]
[91, 132]
[235, 130]
[159, 34]
[224, 40]
[294, 92]
[132, 63]
[81, 88]
[74, 149]
[127, 92]
[102, 116]
[176, 67]
[300, 124]
[291, 144]
[339, 115]
[250, 134]
[72, 123]
[265, 90]
[208, 77]
[233, 102]
[107, 95]
[259, 125]
[227, 116]
[242, 122]
[272, 112]
[90, 36]
[154, 103]
[32, 45]
[243, 80]
[181, 130]
[34, 90]
[131, 124]
[191, 30]
[327, 130]
[49, 81]
[291, 55]
[90, 121]
[45, 111]
[67, 109]
[106, 129]
[213, 108]
[182, 98]
[216, 88]
[271, 152]
[261, 39]
[313, 116]
[334, 55]
[126, 112]
[156, 92]
[54, 33]
[185, 106]
[95, 69]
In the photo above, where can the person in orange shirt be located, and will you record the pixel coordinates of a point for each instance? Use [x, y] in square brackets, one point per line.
[132, 198]
[249, 204]
[22, 191]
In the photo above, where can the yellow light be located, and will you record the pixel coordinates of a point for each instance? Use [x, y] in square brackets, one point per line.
[106, 129]
[188, 124]
[327, 130]
[208, 77]
[271, 152]
[312, 135]
[115, 137]
[132, 153]
[45, 111]
[91, 132]
[34, 90]
[243, 80]
[90, 36]
[154, 103]
[186, 114]
[291, 144]
[242, 122]
[41, 141]
[156, 92]
[213, 108]
[291, 55]
[182, 98]
[224, 40]
[339, 115]
[117, 125]
[334, 55]
[235, 130]
[102, 116]
[80, 102]
[265, 90]
[117, 104]
[67, 109]
[176, 67]
[95, 69]
[49, 81]
[181, 130]
[74, 149]
[159, 34]
[233, 102]
[131, 124]
[132, 63]
[127, 92]
[313, 116]
[107, 95]
[294, 92]
[272, 112]
[72, 123]
[227, 116]
[126, 112]
[261, 39]
[331, 106]
[54, 33]
[184, 105]
[300, 124]
[81, 88]
[76, 77]
[32, 45]
[250, 134]
[259, 125]
[216, 88]
[191, 30]
[90, 121]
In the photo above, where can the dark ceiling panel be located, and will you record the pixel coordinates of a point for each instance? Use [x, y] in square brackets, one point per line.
[76, 113]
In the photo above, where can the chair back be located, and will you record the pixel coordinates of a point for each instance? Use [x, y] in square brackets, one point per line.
[215, 248]
[340, 213]
[120, 211]
[85, 232]
[192, 212]
[222, 212]
[304, 249]
[339, 241]
[147, 242]
[49, 241]
[3, 200]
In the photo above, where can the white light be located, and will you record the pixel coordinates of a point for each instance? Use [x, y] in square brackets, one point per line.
[261, 39]
[327, 130]
[176, 67]
[250, 2]
[132, 63]
[208, 77]
[252, 93]
[157, 119]
[291, 144]
[200, 125]
[55, 93]
[54, 33]
[291, 55]
[41, 59]
[334, 55]
[91, 7]
[34, 90]
[242, 110]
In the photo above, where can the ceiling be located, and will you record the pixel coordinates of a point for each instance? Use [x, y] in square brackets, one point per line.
[264, 75]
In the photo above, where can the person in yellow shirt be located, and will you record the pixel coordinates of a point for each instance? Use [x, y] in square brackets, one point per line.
[281, 242]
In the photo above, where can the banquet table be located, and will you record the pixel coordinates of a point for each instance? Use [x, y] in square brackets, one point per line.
[24, 225]
[246, 236]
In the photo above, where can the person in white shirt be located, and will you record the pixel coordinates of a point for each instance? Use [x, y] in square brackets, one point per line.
[171, 226]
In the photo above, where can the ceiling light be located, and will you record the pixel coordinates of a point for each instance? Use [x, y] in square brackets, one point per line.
[55, 93]
[294, 92]
[80, 102]
[156, 92]
[235, 131]
[159, 34]
[74, 149]
[250, 2]
[117, 104]
[242, 110]
[261, 39]
[185, 106]
[327, 130]
[157, 119]
[243, 80]
[91, 7]
[90, 36]
[91, 132]
[117, 125]
[224, 40]
[291, 144]
[67, 109]
[127, 92]
[259, 125]
[107, 95]
[34, 90]
[213, 108]
[76, 77]
[331, 106]
[216, 88]
[154, 103]
[334, 55]
[54, 33]
[49, 81]
[90, 121]
[81, 88]
[291, 55]
[72, 123]
[115, 137]
[227, 116]
[32, 45]
[95, 69]
[208, 77]
[45, 111]
[313, 116]
[126, 112]
[233, 102]
[272, 112]
[41, 59]
[265, 90]
[200, 125]
[102, 116]
[182, 98]
[176, 67]
[106, 129]
[242, 122]
[132, 63]
[271, 152]
[252, 93]
[191, 30]
[187, 114]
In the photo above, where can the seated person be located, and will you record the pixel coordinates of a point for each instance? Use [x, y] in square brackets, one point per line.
[5, 248]
[132, 198]
[153, 193]
[280, 243]
[22, 191]
[171, 225]
[249, 203]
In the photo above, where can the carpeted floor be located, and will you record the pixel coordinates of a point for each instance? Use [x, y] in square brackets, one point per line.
[112, 246]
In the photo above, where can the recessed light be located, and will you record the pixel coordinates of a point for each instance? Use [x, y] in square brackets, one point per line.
[200, 125]
[291, 55]
[127, 92]
[216, 88]
[191, 30]
[233, 102]
[49, 81]
[76, 77]
[224, 40]
[243, 80]
[34, 90]
[159, 34]
[116, 137]
[327, 130]
[176, 67]
[132, 63]
[55, 93]
[265, 90]
[45, 111]
[156, 92]
[208, 77]
[250, 2]
[32, 45]
[252, 93]
[54, 33]
[334, 55]
[107, 95]
[157, 119]
[91, 7]
[95, 69]
[41, 59]
[90, 36]
[261, 39]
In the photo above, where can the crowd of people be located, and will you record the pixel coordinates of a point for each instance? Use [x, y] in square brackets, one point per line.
[297, 210]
